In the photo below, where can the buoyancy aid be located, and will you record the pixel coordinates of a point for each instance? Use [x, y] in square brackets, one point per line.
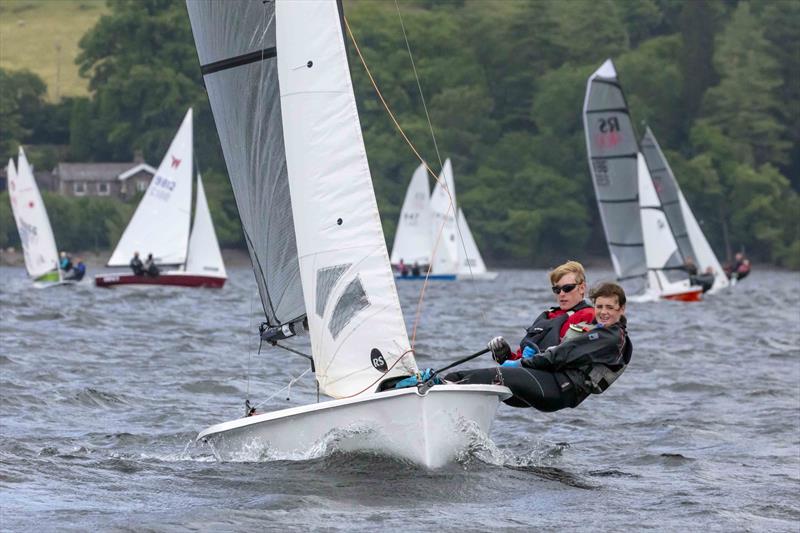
[546, 332]
[601, 376]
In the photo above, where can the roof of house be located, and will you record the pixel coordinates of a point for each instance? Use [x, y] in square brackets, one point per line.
[100, 171]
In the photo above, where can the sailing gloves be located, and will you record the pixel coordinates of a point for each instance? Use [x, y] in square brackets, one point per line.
[424, 375]
[501, 351]
[527, 354]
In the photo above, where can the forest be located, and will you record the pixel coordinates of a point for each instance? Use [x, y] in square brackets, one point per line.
[503, 83]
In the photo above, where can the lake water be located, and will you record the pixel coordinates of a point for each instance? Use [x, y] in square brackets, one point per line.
[102, 393]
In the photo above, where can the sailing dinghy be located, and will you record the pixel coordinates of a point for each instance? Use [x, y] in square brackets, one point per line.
[690, 238]
[279, 84]
[457, 255]
[33, 225]
[641, 243]
[160, 226]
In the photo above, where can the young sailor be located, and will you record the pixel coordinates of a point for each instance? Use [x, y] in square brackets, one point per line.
[77, 272]
[590, 358]
[569, 287]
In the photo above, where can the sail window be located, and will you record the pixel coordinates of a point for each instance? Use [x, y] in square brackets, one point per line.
[353, 300]
[326, 279]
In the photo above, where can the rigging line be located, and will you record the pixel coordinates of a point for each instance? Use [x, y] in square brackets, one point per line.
[288, 386]
[419, 157]
[419, 85]
[410, 351]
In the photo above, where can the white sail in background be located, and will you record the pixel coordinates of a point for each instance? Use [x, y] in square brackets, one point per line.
[690, 238]
[354, 313]
[470, 261]
[160, 224]
[35, 232]
[204, 253]
[661, 249]
[704, 254]
[412, 241]
[444, 230]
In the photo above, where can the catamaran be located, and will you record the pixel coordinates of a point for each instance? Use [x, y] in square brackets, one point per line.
[641, 242]
[433, 223]
[33, 225]
[690, 238]
[160, 226]
[279, 84]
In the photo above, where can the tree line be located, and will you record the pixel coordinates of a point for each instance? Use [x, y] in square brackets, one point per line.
[503, 84]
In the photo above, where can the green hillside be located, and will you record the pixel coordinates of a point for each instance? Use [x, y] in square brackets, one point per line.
[43, 35]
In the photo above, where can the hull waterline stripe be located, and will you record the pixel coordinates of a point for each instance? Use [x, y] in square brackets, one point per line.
[238, 61]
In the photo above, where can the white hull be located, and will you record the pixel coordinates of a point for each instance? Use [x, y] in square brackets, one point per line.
[477, 276]
[429, 430]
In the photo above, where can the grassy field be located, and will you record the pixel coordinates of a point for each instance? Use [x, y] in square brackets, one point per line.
[42, 36]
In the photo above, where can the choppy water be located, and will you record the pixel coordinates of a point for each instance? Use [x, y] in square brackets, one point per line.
[103, 391]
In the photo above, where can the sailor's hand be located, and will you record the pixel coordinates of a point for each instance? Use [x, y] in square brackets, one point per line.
[500, 349]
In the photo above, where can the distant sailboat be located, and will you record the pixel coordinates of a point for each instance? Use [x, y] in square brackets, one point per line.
[456, 255]
[412, 240]
[641, 242]
[691, 240]
[33, 225]
[160, 226]
[279, 84]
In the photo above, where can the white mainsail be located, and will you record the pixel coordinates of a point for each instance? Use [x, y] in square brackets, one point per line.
[412, 241]
[160, 224]
[470, 261]
[296, 159]
[444, 230]
[354, 313]
[35, 232]
[204, 255]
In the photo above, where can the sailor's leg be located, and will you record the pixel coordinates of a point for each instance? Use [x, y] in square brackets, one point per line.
[531, 388]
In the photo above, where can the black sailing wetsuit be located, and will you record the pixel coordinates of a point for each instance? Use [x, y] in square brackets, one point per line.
[564, 375]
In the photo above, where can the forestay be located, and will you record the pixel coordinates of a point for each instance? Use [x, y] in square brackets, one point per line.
[312, 136]
[470, 261]
[690, 238]
[612, 150]
[160, 225]
[444, 229]
[412, 241]
[35, 232]
[204, 254]
[235, 42]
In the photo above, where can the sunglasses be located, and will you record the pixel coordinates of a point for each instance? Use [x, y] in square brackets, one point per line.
[569, 287]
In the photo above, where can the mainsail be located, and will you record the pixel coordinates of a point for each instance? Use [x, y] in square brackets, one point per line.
[278, 82]
[204, 255]
[35, 232]
[160, 225]
[444, 229]
[690, 238]
[412, 241]
[612, 149]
